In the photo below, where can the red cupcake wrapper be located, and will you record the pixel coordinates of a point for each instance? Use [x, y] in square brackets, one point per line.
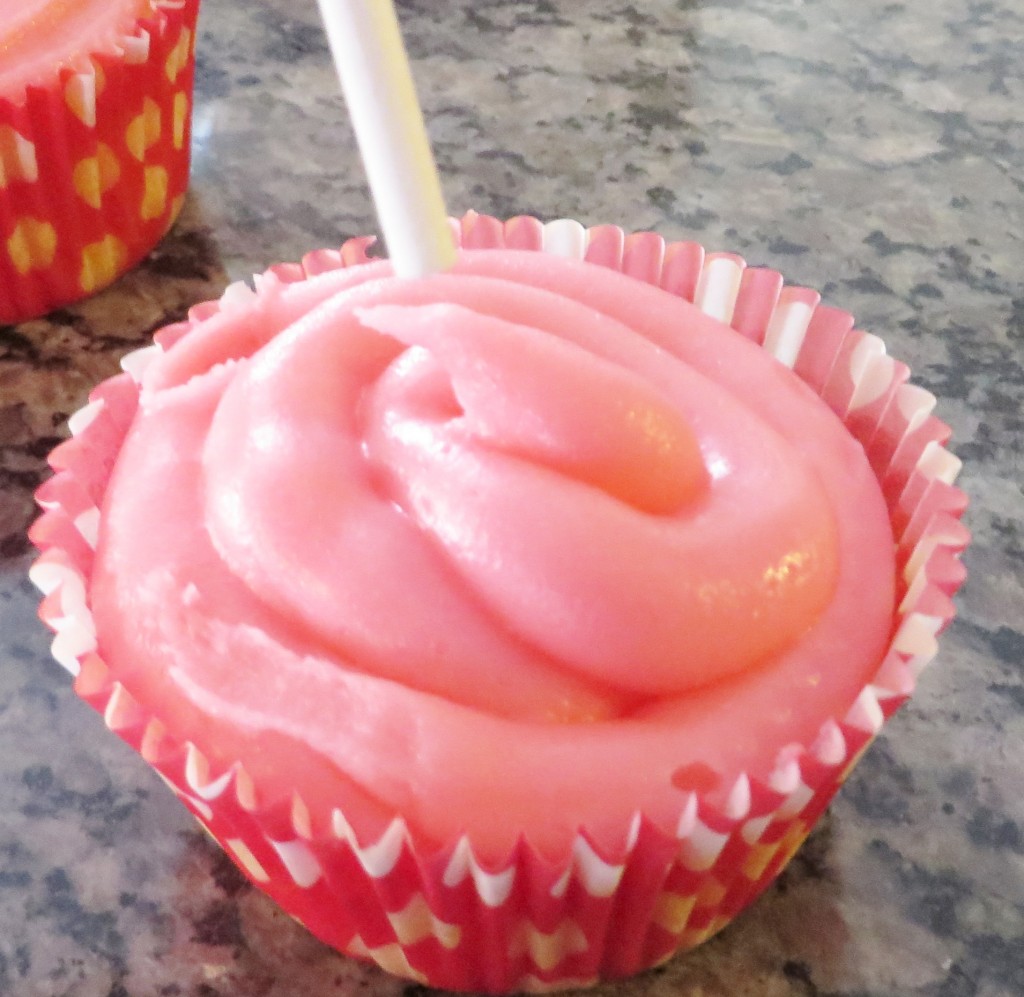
[437, 915]
[94, 167]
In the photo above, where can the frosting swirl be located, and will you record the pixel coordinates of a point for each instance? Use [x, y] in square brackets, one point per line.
[519, 487]
[524, 500]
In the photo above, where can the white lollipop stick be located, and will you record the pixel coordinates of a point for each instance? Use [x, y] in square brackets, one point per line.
[374, 71]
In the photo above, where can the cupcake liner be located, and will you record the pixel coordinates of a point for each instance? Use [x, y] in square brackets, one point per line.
[94, 165]
[437, 915]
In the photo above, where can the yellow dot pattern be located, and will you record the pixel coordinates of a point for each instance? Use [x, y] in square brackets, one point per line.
[144, 130]
[673, 911]
[758, 859]
[179, 118]
[101, 263]
[711, 893]
[32, 245]
[791, 841]
[178, 59]
[154, 197]
[95, 175]
[86, 178]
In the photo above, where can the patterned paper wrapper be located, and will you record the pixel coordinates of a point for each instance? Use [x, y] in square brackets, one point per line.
[94, 165]
[436, 914]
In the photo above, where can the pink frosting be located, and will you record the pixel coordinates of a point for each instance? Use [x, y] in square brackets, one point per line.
[504, 551]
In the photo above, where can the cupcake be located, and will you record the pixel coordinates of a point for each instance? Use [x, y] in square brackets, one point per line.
[510, 627]
[95, 121]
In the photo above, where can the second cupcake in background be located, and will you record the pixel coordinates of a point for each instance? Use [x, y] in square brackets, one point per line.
[95, 134]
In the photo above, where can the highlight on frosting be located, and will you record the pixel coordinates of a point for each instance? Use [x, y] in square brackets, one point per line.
[440, 540]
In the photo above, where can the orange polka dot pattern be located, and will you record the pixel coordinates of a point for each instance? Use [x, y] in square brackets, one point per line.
[93, 169]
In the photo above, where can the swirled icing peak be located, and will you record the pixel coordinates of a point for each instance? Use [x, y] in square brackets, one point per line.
[494, 475]
[392, 527]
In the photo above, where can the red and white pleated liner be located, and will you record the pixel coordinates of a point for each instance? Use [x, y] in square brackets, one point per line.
[436, 914]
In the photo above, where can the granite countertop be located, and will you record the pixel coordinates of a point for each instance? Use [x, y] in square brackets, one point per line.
[872, 150]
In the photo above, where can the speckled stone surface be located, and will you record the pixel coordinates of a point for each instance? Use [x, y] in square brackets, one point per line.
[872, 150]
